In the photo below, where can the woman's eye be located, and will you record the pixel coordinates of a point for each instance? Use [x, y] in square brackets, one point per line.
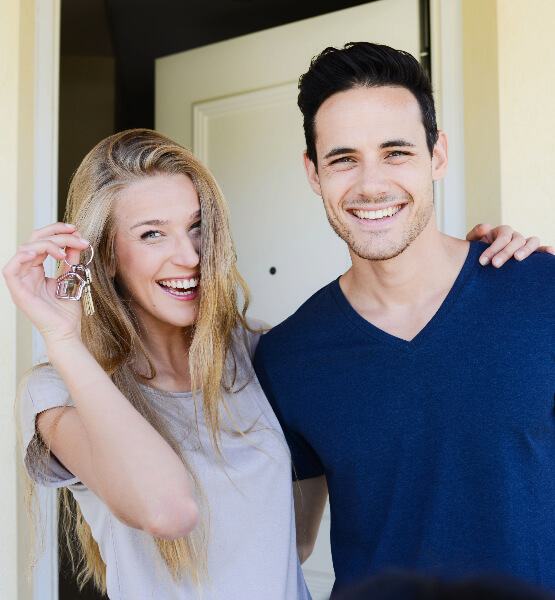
[148, 235]
[196, 225]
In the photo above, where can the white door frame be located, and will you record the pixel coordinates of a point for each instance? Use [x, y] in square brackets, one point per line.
[45, 211]
[447, 75]
[447, 80]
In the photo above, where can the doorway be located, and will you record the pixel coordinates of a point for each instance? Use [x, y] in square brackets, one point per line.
[125, 106]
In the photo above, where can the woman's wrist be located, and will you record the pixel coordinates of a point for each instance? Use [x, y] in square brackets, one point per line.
[62, 349]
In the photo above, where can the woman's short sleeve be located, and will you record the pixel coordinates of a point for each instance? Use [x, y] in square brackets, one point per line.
[253, 338]
[42, 390]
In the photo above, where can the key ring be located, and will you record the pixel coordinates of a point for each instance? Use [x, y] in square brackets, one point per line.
[76, 283]
[87, 263]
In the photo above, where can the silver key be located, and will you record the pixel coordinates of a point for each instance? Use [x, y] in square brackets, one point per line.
[76, 283]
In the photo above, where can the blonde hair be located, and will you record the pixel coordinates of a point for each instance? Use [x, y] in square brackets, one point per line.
[111, 334]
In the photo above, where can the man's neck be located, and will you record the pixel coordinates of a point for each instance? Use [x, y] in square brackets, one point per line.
[401, 295]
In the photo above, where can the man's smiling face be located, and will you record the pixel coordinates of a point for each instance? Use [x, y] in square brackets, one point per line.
[375, 173]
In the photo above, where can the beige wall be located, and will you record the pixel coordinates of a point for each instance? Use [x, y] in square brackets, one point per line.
[481, 112]
[509, 86]
[16, 175]
[527, 114]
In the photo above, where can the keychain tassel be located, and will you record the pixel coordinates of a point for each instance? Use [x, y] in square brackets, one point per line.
[88, 305]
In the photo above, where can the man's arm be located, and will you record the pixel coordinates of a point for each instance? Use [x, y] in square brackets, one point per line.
[310, 500]
[505, 243]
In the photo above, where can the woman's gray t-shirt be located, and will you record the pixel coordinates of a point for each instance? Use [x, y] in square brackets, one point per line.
[251, 549]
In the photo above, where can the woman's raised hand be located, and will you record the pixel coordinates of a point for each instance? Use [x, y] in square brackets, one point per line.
[34, 293]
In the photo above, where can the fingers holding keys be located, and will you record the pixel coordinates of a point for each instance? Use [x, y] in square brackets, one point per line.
[61, 246]
[35, 293]
[50, 230]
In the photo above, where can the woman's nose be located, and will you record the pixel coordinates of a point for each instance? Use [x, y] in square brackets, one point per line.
[186, 253]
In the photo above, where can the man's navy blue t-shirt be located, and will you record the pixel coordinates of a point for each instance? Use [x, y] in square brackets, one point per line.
[439, 453]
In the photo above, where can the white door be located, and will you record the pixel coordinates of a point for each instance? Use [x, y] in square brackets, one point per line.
[234, 104]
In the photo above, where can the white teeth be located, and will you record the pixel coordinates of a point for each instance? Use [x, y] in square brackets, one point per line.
[181, 284]
[377, 214]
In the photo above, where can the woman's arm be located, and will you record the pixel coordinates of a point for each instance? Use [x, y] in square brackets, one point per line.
[310, 497]
[103, 440]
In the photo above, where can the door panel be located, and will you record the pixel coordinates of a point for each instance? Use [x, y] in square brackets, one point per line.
[285, 247]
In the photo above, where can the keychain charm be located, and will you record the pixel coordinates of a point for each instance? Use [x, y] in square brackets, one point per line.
[76, 283]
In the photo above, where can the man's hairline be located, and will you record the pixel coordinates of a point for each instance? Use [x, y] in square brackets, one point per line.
[369, 86]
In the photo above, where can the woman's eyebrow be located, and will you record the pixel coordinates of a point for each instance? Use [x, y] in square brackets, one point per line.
[155, 222]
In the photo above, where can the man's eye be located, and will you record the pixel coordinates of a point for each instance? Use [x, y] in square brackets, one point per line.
[343, 159]
[397, 153]
[148, 235]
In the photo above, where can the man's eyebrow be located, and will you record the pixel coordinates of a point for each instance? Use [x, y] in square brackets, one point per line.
[154, 222]
[396, 144]
[337, 151]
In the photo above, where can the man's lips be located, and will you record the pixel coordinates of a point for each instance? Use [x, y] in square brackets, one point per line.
[382, 214]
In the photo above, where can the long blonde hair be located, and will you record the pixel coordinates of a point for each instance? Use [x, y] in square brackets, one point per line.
[111, 334]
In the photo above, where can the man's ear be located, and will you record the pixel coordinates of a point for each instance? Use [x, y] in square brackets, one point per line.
[312, 174]
[440, 157]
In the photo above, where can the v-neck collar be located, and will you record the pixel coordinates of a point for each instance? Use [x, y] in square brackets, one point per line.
[469, 267]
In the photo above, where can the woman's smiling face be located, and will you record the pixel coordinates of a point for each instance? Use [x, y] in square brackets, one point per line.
[157, 247]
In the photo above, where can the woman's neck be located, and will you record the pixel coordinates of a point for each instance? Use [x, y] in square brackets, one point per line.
[169, 353]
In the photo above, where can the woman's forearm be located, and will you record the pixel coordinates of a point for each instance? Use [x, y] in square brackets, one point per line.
[118, 454]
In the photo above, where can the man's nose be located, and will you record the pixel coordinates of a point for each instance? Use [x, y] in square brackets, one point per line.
[371, 181]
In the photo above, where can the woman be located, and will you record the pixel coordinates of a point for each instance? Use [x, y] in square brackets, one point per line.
[149, 412]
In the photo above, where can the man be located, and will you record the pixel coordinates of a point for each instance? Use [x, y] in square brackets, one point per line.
[418, 388]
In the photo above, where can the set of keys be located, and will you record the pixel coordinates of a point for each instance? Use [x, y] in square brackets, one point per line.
[76, 284]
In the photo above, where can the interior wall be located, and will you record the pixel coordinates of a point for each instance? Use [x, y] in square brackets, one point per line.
[87, 112]
[509, 85]
[527, 120]
[481, 112]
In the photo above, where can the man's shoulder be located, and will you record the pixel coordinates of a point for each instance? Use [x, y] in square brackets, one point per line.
[302, 324]
[536, 273]
[523, 290]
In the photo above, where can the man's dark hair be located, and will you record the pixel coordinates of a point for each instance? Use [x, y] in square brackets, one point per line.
[362, 64]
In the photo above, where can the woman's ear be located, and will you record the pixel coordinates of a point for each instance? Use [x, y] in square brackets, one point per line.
[111, 260]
